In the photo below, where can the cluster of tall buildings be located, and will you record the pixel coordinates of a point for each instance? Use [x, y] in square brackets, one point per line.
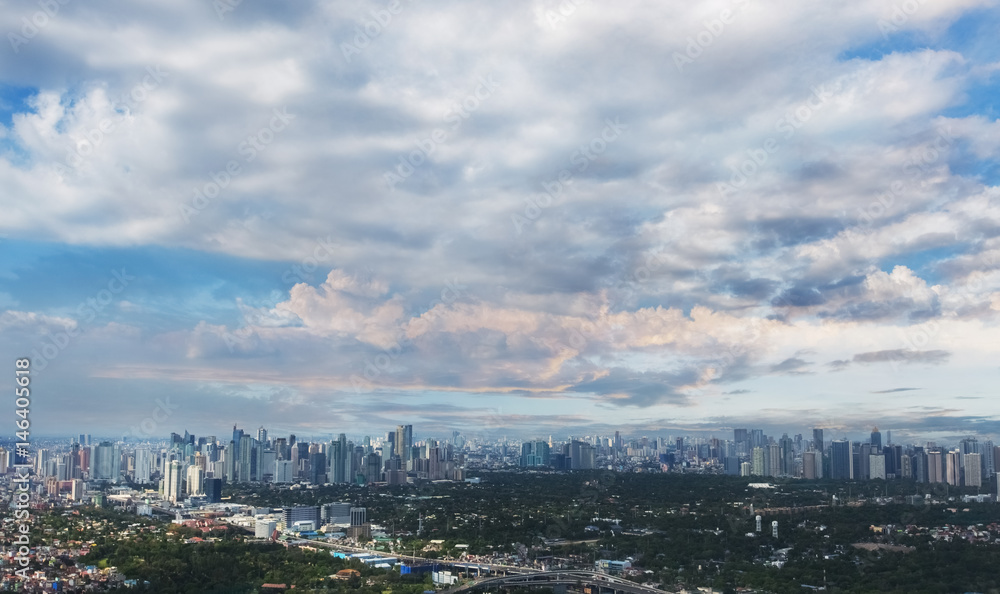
[754, 454]
[575, 455]
[191, 466]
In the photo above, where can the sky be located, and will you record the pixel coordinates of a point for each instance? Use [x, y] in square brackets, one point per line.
[526, 218]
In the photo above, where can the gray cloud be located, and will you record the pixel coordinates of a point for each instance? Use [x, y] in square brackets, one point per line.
[934, 357]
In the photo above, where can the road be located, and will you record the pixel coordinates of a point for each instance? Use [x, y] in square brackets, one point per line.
[417, 560]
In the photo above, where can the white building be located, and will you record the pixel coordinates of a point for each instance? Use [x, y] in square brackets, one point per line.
[195, 480]
[284, 471]
[876, 466]
[264, 528]
[172, 481]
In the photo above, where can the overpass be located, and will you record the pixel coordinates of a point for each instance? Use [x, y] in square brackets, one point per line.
[598, 583]
[463, 566]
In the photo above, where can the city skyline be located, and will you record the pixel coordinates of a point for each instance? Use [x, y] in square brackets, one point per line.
[323, 216]
[818, 434]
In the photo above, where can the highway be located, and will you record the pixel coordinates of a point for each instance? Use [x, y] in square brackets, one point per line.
[560, 578]
[417, 560]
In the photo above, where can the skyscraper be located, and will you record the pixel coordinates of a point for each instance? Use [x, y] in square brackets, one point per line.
[787, 456]
[317, 468]
[876, 466]
[284, 472]
[809, 464]
[953, 467]
[195, 480]
[143, 465]
[172, 481]
[818, 440]
[340, 460]
[841, 459]
[757, 462]
[973, 470]
[106, 464]
[876, 440]
[774, 460]
[935, 467]
[403, 445]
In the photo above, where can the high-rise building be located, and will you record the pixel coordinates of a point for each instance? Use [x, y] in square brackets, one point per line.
[317, 468]
[336, 513]
[358, 516]
[773, 460]
[195, 480]
[213, 490]
[106, 464]
[340, 460]
[787, 456]
[918, 462]
[893, 461]
[403, 445]
[989, 460]
[757, 462]
[841, 459]
[172, 481]
[818, 441]
[876, 440]
[534, 453]
[876, 466]
[284, 472]
[143, 465]
[582, 455]
[809, 464]
[300, 513]
[973, 470]
[935, 467]
[372, 467]
[863, 470]
[248, 463]
[281, 448]
[953, 467]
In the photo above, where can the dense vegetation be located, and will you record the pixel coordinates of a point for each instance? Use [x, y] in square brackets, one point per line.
[676, 529]
[171, 566]
[692, 529]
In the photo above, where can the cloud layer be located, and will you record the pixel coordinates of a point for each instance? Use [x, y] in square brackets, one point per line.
[580, 214]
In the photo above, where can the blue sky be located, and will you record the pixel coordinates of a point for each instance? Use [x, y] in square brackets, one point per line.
[541, 218]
